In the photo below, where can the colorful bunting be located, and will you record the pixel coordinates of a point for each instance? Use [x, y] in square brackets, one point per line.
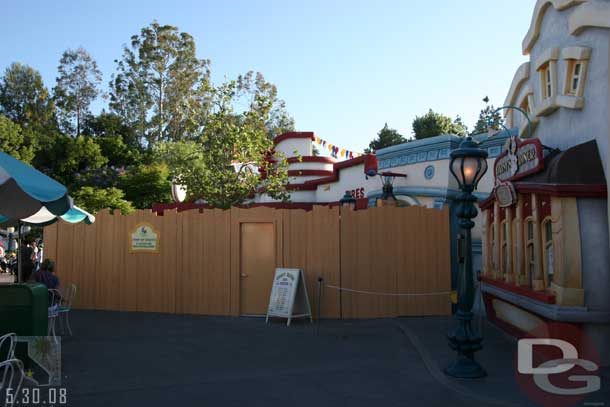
[335, 151]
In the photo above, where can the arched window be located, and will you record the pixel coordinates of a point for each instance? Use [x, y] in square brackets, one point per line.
[504, 248]
[530, 262]
[515, 249]
[493, 247]
[547, 238]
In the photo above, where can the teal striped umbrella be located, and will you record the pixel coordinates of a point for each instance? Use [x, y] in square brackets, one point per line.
[25, 190]
[45, 218]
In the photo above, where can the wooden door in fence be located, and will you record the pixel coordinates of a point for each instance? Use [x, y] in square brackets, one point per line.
[257, 266]
[377, 254]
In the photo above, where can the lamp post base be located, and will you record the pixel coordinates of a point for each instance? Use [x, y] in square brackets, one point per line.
[465, 368]
[466, 342]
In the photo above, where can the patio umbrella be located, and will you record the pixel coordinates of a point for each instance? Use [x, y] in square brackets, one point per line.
[25, 190]
[44, 217]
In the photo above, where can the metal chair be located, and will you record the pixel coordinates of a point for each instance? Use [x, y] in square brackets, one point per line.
[66, 306]
[54, 302]
[11, 340]
[10, 390]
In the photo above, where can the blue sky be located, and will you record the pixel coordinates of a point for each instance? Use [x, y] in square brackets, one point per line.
[344, 68]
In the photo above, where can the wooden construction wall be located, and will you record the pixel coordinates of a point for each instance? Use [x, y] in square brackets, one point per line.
[197, 271]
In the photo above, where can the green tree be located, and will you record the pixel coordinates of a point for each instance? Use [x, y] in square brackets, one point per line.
[161, 87]
[72, 156]
[386, 137]
[433, 124]
[24, 98]
[222, 166]
[94, 199]
[147, 184]
[460, 128]
[111, 125]
[488, 119]
[77, 86]
[117, 152]
[251, 86]
[12, 140]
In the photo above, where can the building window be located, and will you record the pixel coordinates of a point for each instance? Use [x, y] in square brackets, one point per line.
[547, 81]
[493, 247]
[548, 250]
[575, 76]
[504, 248]
[525, 105]
[576, 59]
[515, 249]
[546, 66]
[529, 250]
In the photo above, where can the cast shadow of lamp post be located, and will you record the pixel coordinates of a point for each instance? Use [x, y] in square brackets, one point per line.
[468, 165]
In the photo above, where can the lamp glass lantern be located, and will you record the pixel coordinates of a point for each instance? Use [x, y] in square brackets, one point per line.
[348, 201]
[468, 164]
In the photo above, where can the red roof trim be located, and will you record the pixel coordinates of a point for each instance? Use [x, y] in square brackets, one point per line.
[294, 134]
[301, 187]
[307, 206]
[312, 159]
[296, 173]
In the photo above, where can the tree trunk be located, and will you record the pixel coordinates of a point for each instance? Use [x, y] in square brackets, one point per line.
[77, 121]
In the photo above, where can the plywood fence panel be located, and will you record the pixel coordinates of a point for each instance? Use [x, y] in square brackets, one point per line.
[425, 268]
[50, 241]
[323, 259]
[216, 261]
[187, 284]
[382, 250]
[311, 243]
[367, 263]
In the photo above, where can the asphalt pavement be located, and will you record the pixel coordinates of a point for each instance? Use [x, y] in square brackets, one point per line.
[146, 359]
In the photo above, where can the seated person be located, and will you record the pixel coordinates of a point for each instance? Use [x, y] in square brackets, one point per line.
[27, 265]
[46, 276]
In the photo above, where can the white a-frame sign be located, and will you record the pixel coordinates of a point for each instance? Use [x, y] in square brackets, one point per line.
[289, 295]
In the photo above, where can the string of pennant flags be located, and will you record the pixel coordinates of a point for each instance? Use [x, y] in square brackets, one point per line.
[336, 151]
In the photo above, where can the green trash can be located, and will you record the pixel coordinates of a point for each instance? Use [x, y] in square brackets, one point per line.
[24, 309]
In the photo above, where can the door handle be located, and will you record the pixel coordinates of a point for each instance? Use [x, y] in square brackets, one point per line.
[244, 275]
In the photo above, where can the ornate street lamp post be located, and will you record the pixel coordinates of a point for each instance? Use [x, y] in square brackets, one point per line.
[468, 165]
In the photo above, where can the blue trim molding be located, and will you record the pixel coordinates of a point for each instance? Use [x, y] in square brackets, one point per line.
[437, 148]
[435, 192]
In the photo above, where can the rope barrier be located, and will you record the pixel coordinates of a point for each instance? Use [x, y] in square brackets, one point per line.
[388, 294]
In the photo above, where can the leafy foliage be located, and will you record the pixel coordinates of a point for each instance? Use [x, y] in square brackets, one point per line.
[223, 165]
[434, 124]
[166, 121]
[78, 155]
[488, 119]
[146, 184]
[94, 199]
[12, 140]
[253, 86]
[161, 87]
[23, 97]
[386, 137]
[77, 86]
